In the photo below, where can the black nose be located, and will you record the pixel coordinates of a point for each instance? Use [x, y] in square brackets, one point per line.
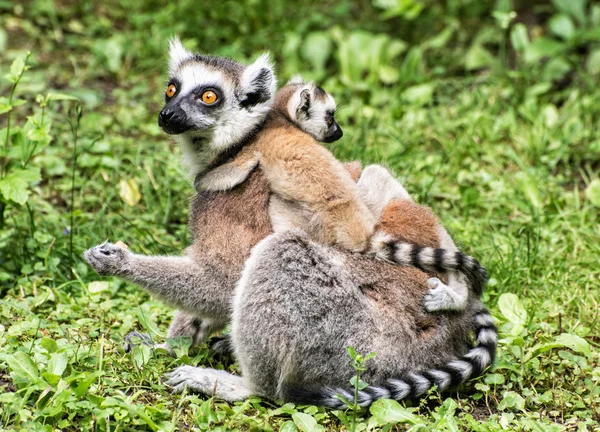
[165, 115]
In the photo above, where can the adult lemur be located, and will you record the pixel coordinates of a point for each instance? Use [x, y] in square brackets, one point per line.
[298, 305]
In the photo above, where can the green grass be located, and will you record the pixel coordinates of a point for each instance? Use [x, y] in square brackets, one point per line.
[504, 148]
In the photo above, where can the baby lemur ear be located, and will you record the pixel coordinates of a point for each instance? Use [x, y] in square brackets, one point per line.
[258, 83]
[303, 105]
[177, 54]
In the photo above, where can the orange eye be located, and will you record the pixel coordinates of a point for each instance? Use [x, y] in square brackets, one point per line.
[330, 120]
[171, 90]
[209, 97]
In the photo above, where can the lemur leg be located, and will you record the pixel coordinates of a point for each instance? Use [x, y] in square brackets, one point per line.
[198, 288]
[378, 187]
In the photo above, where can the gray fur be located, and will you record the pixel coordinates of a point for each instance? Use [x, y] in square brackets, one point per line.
[198, 285]
[299, 305]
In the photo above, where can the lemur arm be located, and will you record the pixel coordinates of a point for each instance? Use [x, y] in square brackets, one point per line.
[184, 283]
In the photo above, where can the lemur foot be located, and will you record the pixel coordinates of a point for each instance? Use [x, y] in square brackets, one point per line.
[441, 297]
[190, 377]
[108, 259]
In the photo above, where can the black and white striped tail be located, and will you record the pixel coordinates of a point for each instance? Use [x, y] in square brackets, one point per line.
[430, 259]
[416, 384]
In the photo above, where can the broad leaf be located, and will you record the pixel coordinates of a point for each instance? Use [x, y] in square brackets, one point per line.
[15, 186]
[512, 309]
[575, 8]
[58, 363]
[562, 26]
[512, 401]
[387, 411]
[23, 366]
[306, 423]
[542, 47]
[519, 37]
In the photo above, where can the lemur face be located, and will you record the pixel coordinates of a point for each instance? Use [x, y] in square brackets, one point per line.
[214, 99]
[313, 111]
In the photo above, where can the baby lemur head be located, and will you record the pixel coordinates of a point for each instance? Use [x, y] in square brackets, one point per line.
[215, 102]
[310, 108]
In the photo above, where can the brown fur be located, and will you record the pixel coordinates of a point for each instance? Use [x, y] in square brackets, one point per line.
[300, 170]
[410, 223]
[226, 224]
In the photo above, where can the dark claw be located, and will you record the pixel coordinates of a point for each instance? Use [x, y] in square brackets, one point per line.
[133, 339]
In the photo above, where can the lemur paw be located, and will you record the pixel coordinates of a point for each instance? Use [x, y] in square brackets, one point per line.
[133, 339]
[108, 259]
[190, 377]
[440, 297]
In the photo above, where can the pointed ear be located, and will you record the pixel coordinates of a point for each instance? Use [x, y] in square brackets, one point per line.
[258, 83]
[303, 104]
[177, 54]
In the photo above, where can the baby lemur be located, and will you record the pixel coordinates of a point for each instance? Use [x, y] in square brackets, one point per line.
[299, 304]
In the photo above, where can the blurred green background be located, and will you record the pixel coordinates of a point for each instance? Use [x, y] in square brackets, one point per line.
[487, 111]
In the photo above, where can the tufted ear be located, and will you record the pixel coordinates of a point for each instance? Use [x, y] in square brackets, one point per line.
[258, 83]
[177, 54]
[303, 104]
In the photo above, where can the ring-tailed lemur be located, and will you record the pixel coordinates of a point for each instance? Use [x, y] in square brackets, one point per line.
[227, 224]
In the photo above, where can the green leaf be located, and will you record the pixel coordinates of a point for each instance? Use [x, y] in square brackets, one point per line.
[562, 26]
[23, 366]
[98, 287]
[478, 58]
[306, 423]
[519, 37]
[574, 342]
[316, 49]
[565, 340]
[575, 8]
[58, 363]
[542, 47]
[512, 309]
[146, 321]
[556, 69]
[593, 62]
[419, 95]
[494, 378]
[17, 67]
[288, 426]
[387, 411]
[15, 186]
[512, 401]
[592, 192]
[49, 345]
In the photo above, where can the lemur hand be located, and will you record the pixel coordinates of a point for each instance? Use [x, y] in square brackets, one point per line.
[109, 259]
